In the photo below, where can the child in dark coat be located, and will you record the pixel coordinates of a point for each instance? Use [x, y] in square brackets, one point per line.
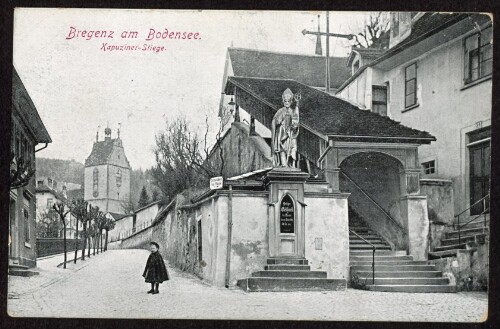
[155, 271]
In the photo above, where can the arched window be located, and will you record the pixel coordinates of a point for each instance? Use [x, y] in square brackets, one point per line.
[95, 179]
[119, 177]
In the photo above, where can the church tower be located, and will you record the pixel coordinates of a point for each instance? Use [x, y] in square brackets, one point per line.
[107, 174]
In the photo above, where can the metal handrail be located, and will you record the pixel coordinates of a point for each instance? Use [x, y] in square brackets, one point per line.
[472, 205]
[374, 202]
[373, 254]
[485, 211]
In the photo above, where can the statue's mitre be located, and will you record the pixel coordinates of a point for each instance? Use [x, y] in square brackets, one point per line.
[287, 95]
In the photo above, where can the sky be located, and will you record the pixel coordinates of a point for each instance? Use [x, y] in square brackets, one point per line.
[77, 86]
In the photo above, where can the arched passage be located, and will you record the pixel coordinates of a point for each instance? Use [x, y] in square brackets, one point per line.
[373, 181]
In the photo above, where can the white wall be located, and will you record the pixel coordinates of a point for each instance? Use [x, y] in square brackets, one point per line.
[446, 109]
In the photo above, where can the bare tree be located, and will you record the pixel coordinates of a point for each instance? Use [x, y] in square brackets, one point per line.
[48, 224]
[375, 32]
[61, 210]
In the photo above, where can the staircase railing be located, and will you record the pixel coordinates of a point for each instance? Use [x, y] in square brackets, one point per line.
[370, 198]
[483, 213]
[373, 253]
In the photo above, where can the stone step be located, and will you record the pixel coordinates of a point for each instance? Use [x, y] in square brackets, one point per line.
[402, 274]
[443, 254]
[291, 284]
[18, 267]
[360, 229]
[464, 232]
[22, 272]
[293, 261]
[380, 258]
[391, 262]
[475, 224]
[453, 241]
[368, 247]
[398, 268]
[377, 252]
[406, 281]
[450, 247]
[372, 241]
[289, 274]
[365, 236]
[290, 267]
[414, 288]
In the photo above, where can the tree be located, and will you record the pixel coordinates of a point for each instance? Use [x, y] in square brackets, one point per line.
[182, 157]
[109, 224]
[144, 198]
[92, 214]
[79, 210]
[48, 224]
[128, 207]
[61, 210]
[375, 32]
[179, 159]
[155, 196]
[101, 223]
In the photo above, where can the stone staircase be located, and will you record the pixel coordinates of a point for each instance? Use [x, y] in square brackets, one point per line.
[476, 232]
[395, 271]
[289, 274]
[21, 270]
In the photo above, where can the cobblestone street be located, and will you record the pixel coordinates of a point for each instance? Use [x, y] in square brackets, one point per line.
[110, 285]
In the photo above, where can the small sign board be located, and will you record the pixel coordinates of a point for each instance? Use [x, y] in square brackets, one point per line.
[287, 215]
[216, 183]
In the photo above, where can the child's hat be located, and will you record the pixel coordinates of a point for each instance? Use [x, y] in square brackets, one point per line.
[155, 244]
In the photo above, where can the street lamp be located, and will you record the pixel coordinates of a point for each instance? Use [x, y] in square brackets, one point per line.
[231, 106]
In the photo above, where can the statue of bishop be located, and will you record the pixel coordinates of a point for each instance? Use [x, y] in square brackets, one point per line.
[285, 130]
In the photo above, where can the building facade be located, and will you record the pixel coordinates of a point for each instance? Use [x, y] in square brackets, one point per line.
[47, 195]
[437, 77]
[28, 130]
[107, 175]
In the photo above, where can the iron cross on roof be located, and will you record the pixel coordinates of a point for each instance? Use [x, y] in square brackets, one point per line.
[328, 35]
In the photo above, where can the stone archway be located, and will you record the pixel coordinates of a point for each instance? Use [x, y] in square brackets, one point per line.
[373, 180]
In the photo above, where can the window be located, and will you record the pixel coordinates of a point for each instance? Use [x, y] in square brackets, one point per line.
[479, 169]
[429, 167]
[411, 85]
[26, 225]
[379, 100]
[478, 57]
[119, 177]
[40, 183]
[95, 179]
[50, 201]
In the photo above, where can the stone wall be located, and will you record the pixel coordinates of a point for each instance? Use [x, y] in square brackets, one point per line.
[249, 241]
[327, 235]
[248, 153]
[468, 269]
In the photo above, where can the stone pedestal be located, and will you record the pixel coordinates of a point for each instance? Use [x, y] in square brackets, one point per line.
[286, 212]
[414, 214]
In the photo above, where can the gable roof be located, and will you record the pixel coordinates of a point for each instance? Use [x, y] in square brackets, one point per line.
[23, 105]
[326, 114]
[426, 26]
[75, 194]
[308, 69]
[117, 216]
[101, 151]
[368, 55]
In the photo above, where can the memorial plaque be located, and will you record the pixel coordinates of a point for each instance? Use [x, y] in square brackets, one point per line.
[287, 215]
